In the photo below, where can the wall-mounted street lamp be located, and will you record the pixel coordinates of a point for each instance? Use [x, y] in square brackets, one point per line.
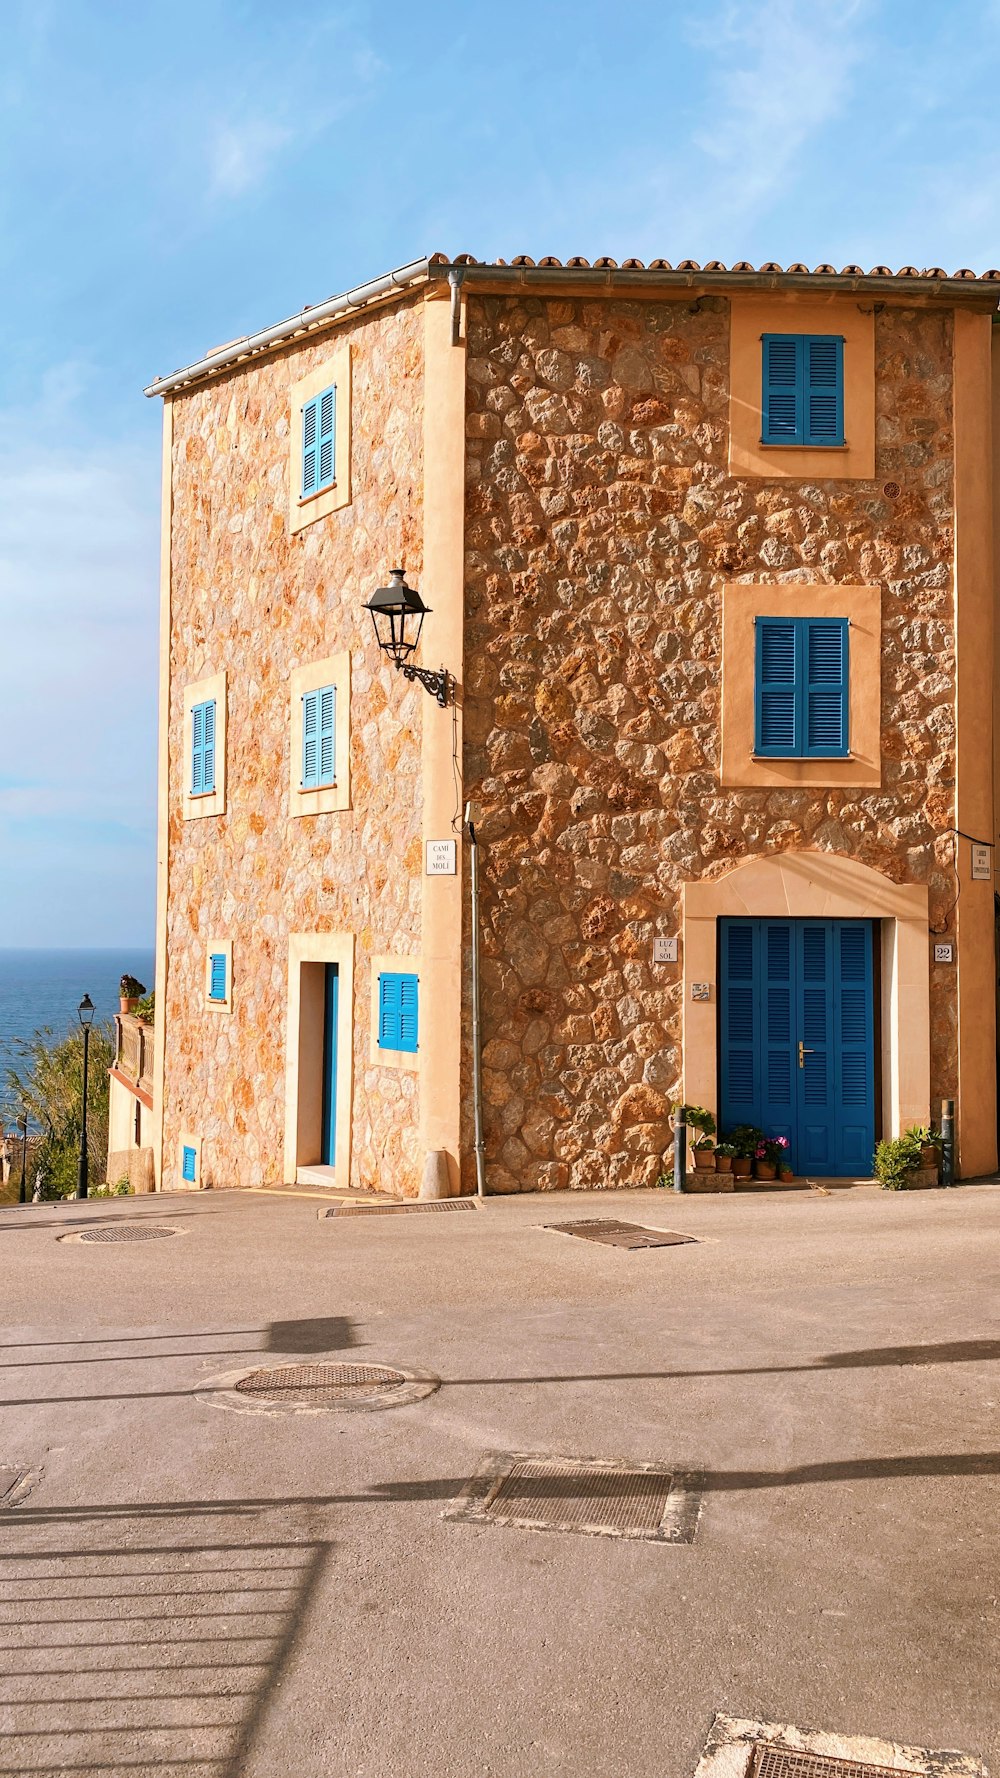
[398, 614]
[85, 1014]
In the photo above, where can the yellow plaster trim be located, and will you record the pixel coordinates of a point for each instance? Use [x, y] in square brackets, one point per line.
[974, 645]
[219, 947]
[186, 1140]
[441, 732]
[813, 885]
[741, 603]
[335, 369]
[791, 313]
[406, 1060]
[301, 1032]
[163, 793]
[334, 670]
[199, 693]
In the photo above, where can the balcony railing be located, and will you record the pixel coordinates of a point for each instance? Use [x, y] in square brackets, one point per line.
[134, 1050]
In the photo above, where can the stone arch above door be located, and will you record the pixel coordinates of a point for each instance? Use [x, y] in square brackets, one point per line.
[816, 885]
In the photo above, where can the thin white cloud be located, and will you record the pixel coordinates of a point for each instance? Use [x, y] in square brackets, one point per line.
[241, 155]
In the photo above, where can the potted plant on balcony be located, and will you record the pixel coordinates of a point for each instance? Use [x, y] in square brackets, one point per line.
[743, 1142]
[130, 991]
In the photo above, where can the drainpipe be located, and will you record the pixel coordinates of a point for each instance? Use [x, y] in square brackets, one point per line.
[477, 1066]
[456, 278]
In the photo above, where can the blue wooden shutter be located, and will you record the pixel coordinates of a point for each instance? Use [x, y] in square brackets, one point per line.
[824, 686]
[319, 424]
[203, 748]
[217, 976]
[823, 380]
[776, 725]
[781, 402]
[398, 997]
[319, 721]
[188, 1161]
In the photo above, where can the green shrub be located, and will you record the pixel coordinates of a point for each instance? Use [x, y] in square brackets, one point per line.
[896, 1159]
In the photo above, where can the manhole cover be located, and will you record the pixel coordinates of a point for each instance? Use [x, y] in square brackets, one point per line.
[401, 1209]
[621, 1234]
[127, 1232]
[300, 1387]
[788, 1762]
[614, 1498]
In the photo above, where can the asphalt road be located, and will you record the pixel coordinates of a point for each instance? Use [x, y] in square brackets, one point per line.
[191, 1591]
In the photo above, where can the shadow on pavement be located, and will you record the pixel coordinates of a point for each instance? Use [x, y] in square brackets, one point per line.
[145, 1659]
[328, 1333]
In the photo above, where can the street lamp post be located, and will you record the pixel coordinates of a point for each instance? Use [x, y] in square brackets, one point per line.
[85, 1014]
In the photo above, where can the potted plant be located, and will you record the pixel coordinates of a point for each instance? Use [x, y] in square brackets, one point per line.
[702, 1147]
[724, 1155]
[130, 991]
[765, 1159]
[929, 1142]
[896, 1160]
[743, 1142]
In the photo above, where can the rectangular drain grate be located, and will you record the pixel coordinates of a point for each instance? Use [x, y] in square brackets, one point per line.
[402, 1209]
[774, 1761]
[621, 1234]
[599, 1497]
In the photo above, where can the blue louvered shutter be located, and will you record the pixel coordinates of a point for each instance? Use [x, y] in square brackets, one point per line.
[217, 976]
[776, 726]
[319, 721]
[781, 402]
[188, 1160]
[825, 670]
[398, 1012]
[319, 424]
[203, 748]
[823, 396]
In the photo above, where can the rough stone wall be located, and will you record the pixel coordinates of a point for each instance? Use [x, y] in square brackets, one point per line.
[249, 598]
[601, 524]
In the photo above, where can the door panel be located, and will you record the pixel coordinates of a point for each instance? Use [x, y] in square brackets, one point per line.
[796, 1037]
[330, 1009]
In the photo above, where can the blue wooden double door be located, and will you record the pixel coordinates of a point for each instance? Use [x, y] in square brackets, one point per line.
[797, 1038]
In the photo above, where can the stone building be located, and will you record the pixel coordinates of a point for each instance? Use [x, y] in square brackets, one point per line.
[708, 556]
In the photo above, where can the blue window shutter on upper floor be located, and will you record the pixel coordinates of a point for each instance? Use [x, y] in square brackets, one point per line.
[319, 425]
[398, 1012]
[802, 398]
[319, 722]
[188, 1160]
[203, 748]
[776, 729]
[825, 687]
[217, 976]
[801, 707]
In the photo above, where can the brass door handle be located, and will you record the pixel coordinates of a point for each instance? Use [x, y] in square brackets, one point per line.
[803, 1053]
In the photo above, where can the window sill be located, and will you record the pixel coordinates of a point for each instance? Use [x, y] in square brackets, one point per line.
[307, 499]
[197, 796]
[764, 444]
[310, 789]
[797, 758]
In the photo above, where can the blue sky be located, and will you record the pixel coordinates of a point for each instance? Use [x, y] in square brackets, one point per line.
[173, 176]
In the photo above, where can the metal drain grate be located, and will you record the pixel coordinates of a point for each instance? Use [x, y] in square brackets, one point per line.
[401, 1209]
[613, 1498]
[127, 1233]
[621, 1234]
[775, 1761]
[321, 1385]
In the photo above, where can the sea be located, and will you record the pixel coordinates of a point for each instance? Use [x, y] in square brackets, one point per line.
[42, 990]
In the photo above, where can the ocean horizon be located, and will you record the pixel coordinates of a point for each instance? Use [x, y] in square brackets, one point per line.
[40, 990]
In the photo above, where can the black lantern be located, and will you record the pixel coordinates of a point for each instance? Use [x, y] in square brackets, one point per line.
[398, 614]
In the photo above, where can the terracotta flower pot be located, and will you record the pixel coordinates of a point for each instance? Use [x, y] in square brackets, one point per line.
[723, 1162]
[930, 1154]
[741, 1166]
[764, 1170]
[126, 1005]
[785, 1173]
[704, 1159]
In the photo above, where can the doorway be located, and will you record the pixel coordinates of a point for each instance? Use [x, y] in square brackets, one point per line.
[331, 1004]
[797, 1038]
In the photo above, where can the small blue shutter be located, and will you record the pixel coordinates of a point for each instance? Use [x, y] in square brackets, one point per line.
[188, 1159]
[398, 1009]
[823, 366]
[802, 398]
[781, 404]
[824, 688]
[775, 691]
[203, 748]
[319, 424]
[319, 718]
[217, 976]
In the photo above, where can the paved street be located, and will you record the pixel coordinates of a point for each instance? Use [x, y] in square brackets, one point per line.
[191, 1591]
